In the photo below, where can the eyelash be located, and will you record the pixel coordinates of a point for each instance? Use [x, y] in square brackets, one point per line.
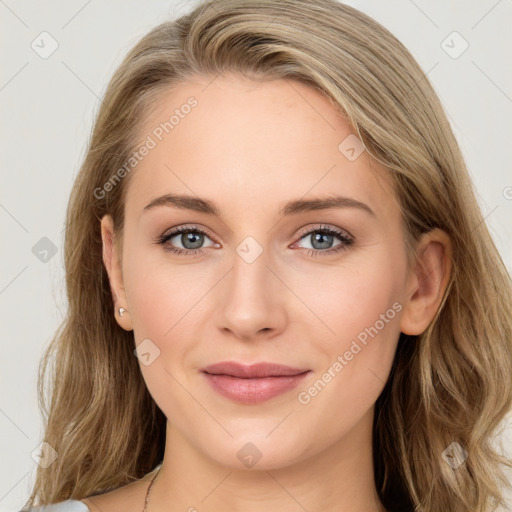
[346, 240]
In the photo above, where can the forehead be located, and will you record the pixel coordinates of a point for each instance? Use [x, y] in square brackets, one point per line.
[266, 140]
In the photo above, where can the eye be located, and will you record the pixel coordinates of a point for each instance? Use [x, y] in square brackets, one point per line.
[190, 238]
[322, 238]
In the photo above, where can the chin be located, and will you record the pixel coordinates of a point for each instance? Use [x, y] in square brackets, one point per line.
[257, 450]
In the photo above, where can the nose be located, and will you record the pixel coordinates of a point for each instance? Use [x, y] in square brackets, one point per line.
[252, 300]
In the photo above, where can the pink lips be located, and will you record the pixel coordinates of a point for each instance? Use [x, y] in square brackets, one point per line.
[252, 384]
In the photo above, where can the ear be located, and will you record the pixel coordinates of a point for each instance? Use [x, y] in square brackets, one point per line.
[427, 282]
[115, 275]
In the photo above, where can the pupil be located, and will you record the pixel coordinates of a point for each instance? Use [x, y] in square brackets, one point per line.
[189, 237]
[317, 238]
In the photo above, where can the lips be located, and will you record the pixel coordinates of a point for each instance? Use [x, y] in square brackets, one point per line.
[258, 370]
[252, 384]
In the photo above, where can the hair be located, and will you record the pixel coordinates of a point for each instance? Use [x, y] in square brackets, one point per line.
[451, 383]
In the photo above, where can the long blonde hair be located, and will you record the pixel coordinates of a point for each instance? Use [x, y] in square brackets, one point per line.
[452, 383]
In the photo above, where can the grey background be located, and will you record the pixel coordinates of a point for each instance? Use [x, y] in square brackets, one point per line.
[47, 107]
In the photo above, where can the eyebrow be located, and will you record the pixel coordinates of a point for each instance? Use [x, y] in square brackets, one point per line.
[295, 207]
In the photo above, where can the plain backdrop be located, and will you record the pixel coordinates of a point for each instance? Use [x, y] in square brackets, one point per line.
[47, 106]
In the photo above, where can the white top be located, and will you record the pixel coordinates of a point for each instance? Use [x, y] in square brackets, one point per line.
[63, 506]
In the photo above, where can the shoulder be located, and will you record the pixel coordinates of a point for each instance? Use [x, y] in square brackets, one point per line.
[63, 506]
[128, 498]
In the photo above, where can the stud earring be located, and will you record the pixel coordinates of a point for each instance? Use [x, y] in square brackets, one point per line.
[121, 311]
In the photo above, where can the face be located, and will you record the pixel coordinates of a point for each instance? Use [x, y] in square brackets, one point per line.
[267, 270]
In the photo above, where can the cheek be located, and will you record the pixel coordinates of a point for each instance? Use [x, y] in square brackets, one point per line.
[162, 298]
[349, 299]
[159, 293]
[361, 306]
[150, 295]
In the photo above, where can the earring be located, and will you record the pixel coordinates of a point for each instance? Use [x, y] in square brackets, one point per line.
[121, 311]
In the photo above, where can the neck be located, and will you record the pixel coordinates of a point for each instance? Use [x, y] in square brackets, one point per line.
[339, 478]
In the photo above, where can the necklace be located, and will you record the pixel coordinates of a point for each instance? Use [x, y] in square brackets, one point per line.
[149, 490]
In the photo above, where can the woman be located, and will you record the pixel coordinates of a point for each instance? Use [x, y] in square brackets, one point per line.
[282, 292]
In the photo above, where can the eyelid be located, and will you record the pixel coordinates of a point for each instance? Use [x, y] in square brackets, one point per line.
[305, 231]
[346, 239]
[176, 230]
[323, 227]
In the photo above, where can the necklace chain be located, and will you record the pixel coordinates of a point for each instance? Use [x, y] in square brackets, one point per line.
[146, 502]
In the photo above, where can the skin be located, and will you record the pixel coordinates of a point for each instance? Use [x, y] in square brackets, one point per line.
[249, 147]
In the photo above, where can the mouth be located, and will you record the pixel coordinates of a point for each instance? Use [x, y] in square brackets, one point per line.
[252, 384]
